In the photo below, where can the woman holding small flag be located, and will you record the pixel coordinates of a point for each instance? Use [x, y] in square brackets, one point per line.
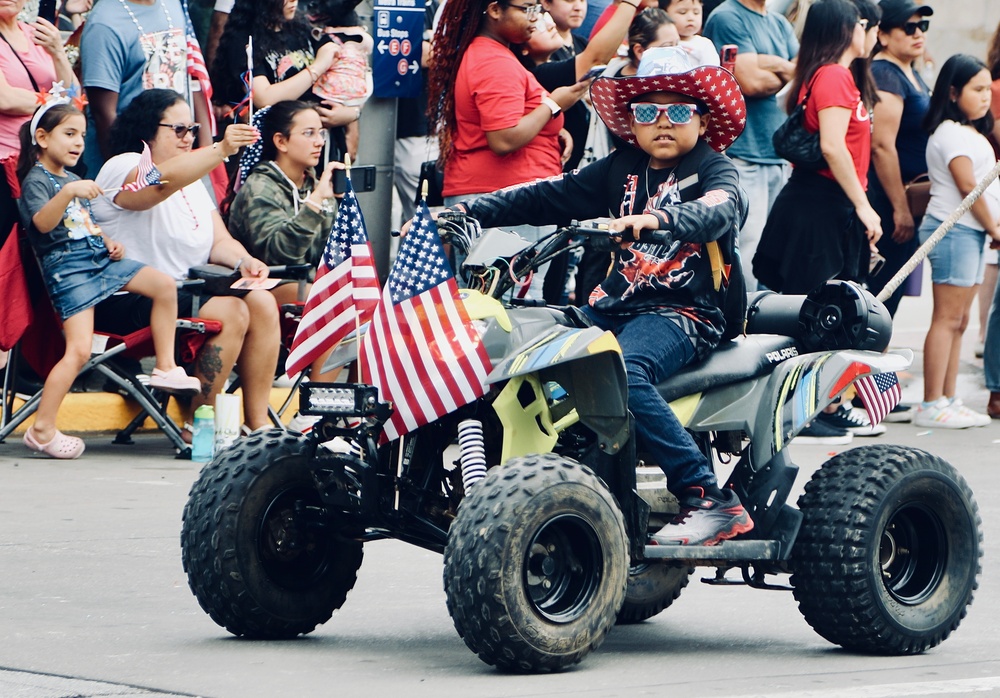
[165, 217]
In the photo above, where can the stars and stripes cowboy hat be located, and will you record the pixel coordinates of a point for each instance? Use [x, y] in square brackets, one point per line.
[668, 69]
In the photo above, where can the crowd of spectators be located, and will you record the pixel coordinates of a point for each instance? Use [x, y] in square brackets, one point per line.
[507, 86]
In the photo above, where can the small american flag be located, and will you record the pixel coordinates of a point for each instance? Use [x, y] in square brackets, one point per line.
[146, 173]
[196, 67]
[421, 350]
[880, 393]
[345, 292]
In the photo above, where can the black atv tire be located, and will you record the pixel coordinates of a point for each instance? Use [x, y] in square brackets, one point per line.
[536, 564]
[652, 588]
[252, 564]
[888, 556]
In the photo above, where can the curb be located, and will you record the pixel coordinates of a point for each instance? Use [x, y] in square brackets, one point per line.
[86, 413]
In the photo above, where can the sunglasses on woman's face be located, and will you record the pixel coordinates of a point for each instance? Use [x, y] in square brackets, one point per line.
[679, 114]
[181, 130]
[911, 27]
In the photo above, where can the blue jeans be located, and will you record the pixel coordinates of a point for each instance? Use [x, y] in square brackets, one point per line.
[991, 351]
[655, 348]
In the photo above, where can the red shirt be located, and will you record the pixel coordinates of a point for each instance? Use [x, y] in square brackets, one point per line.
[492, 92]
[603, 19]
[833, 86]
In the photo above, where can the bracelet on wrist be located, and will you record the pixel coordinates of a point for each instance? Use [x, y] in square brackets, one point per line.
[215, 147]
[633, 4]
[239, 263]
[312, 74]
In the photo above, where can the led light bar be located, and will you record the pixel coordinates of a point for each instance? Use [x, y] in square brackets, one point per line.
[344, 399]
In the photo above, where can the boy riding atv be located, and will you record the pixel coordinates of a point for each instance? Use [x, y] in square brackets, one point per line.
[669, 199]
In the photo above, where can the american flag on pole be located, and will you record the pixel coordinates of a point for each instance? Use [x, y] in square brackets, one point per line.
[880, 393]
[196, 67]
[146, 173]
[421, 350]
[345, 292]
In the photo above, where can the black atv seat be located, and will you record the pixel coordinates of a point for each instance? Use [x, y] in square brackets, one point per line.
[737, 359]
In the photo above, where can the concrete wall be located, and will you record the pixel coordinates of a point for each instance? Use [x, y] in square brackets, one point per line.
[961, 26]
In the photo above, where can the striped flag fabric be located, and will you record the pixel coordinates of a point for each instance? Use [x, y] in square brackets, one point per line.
[345, 291]
[421, 350]
[146, 172]
[196, 67]
[880, 393]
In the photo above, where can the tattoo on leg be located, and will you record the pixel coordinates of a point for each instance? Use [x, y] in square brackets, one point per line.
[208, 366]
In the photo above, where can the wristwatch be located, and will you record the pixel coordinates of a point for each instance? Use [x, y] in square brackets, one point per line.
[553, 105]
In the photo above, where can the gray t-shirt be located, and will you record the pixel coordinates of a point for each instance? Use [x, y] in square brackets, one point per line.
[127, 56]
[768, 34]
[36, 191]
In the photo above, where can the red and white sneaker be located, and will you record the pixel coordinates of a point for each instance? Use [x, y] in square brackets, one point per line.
[705, 520]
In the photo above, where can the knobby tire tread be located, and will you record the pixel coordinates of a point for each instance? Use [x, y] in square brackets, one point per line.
[831, 559]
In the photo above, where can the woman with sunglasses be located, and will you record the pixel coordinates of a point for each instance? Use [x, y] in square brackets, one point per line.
[174, 226]
[898, 138]
[497, 126]
[821, 226]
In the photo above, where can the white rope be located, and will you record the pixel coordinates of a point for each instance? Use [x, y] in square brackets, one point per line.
[936, 236]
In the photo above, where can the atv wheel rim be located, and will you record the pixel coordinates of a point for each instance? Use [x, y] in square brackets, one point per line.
[294, 554]
[562, 570]
[913, 554]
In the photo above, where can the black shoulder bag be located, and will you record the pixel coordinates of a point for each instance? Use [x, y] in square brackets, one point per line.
[793, 142]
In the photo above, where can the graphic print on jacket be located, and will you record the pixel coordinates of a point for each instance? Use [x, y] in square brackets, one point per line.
[654, 266]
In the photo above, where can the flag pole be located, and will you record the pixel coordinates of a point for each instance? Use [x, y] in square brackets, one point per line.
[250, 81]
[357, 317]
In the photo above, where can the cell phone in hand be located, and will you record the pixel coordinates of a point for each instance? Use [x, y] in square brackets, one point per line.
[594, 72]
[47, 10]
[362, 178]
[727, 56]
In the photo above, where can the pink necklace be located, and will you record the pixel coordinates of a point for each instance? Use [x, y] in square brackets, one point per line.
[190, 209]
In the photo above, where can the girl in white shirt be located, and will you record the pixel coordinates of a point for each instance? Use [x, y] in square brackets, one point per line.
[958, 157]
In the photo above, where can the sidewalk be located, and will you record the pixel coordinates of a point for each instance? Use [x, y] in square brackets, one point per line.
[96, 412]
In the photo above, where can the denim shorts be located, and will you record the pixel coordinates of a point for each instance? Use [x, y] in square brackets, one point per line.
[957, 259]
[80, 274]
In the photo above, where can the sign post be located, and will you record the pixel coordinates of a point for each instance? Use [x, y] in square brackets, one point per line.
[399, 29]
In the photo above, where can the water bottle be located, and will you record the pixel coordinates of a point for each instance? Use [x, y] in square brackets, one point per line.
[203, 435]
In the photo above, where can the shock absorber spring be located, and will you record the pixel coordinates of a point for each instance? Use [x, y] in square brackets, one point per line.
[472, 452]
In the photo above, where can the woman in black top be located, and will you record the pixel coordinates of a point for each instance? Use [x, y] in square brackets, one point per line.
[286, 63]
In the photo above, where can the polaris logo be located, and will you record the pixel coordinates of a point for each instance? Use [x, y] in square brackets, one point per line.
[781, 355]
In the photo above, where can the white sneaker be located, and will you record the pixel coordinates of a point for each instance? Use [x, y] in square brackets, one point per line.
[979, 419]
[302, 423]
[941, 415]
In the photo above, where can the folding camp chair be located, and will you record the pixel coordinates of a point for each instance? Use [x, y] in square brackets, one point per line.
[291, 313]
[43, 345]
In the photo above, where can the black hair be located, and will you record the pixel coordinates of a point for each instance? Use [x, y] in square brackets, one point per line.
[49, 121]
[861, 68]
[140, 120]
[458, 25]
[993, 55]
[955, 75]
[278, 119]
[644, 28]
[265, 21]
[665, 4]
[828, 32]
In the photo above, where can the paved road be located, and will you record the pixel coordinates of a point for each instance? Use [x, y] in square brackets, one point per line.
[93, 602]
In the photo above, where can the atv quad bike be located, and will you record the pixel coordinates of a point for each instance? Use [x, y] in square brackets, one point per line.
[532, 493]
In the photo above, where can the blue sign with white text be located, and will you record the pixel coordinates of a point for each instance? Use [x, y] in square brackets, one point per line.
[399, 31]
